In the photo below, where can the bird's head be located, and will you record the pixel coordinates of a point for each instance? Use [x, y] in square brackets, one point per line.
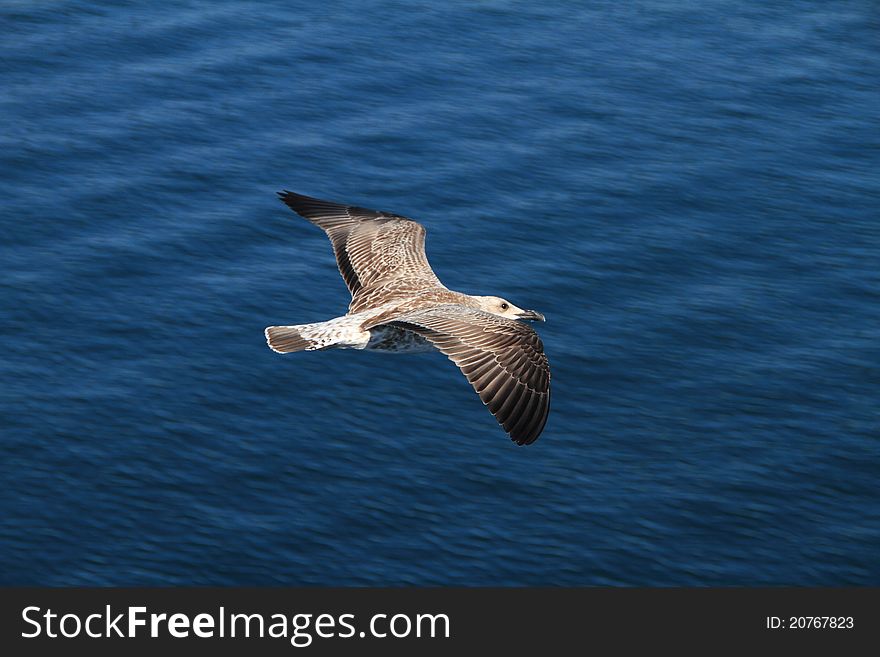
[503, 308]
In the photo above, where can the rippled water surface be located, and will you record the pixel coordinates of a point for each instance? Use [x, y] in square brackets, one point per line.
[688, 190]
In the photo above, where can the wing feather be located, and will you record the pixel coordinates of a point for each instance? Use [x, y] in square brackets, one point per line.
[381, 255]
[502, 359]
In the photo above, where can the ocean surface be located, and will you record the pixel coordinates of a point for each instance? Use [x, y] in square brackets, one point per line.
[687, 190]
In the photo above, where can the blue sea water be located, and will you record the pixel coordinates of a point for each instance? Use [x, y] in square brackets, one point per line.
[688, 190]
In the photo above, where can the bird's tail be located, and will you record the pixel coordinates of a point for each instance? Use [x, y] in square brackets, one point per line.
[339, 333]
[287, 339]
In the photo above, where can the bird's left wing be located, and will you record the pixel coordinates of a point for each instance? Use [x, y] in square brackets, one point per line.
[380, 255]
[503, 359]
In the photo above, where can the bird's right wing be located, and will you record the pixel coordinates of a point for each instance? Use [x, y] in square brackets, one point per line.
[503, 359]
[381, 255]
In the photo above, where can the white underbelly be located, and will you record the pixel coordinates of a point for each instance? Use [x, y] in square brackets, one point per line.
[391, 339]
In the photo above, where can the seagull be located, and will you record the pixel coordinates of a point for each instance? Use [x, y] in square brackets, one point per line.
[398, 305]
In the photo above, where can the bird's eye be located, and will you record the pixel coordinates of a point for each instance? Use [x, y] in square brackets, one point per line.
[504, 306]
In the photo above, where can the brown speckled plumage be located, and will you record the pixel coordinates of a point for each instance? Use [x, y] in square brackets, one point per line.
[399, 305]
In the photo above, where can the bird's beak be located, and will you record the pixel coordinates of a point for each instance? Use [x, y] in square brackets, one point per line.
[533, 315]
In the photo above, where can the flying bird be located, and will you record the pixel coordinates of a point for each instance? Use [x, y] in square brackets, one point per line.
[398, 305]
